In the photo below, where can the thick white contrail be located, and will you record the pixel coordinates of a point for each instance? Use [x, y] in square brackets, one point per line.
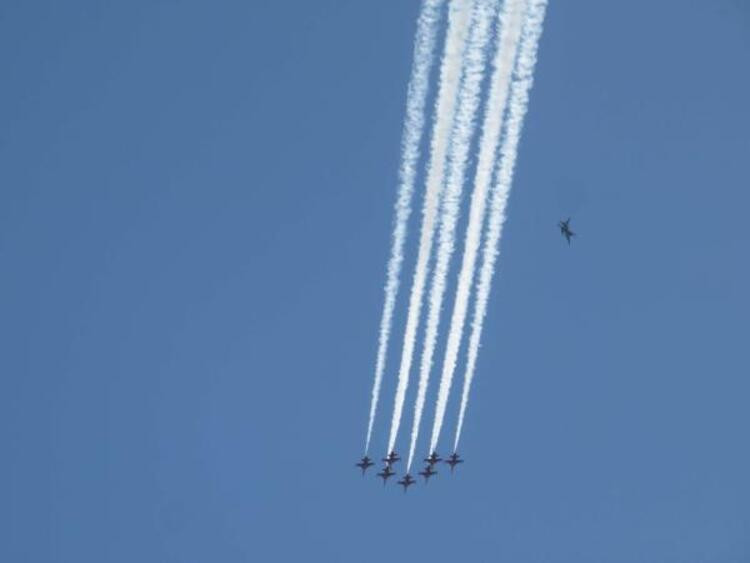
[450, 71]
[511, 18]
[519, 102]
[424, 54]
[460, 143]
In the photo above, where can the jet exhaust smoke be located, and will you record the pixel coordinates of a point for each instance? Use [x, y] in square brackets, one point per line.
[458, 20]
[424, 54]
[511, 18]
[519, 102]
[460, 143]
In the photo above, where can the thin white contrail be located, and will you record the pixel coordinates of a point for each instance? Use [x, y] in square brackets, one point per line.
[519, 103]
[424, 54]
[460, 143]
[511, 17]
[450, 71]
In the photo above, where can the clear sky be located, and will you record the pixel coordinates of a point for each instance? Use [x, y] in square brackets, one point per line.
[195, 207]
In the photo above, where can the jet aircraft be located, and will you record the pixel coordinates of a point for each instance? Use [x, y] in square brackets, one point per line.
[565, 229]
[427, 473]
[453, 460]
[406, 481]
[364, 464]
[391, 458]
[433, 458]
[386, 473]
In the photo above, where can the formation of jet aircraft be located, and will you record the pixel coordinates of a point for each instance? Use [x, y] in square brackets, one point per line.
[565, 229]
[407, 481]
[433, 458]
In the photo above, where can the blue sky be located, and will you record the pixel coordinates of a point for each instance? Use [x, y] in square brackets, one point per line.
[195, 205]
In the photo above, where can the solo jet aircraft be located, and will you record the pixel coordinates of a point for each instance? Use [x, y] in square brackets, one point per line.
[427, 473]
[432, 459]
[406, 481]
[453, 460]
[364, 464]
[565, 229]
[386, 473]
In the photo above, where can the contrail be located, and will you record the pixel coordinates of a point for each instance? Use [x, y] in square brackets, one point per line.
[510, 17]
[450, 70]
[519, 102]
[424, 54]
[460, 143]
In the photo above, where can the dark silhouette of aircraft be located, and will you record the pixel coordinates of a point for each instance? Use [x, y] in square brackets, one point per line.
[391, 458]
[565, 229]
[433, 458]
[386, 473]
[453, 460]
[427, 473]
[364, 464]
[406, 482]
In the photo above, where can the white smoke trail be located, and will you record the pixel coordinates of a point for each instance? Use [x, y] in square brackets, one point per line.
[511, 17]
[460, 143]
[424, 54]
[519, 102]
[450, 70]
